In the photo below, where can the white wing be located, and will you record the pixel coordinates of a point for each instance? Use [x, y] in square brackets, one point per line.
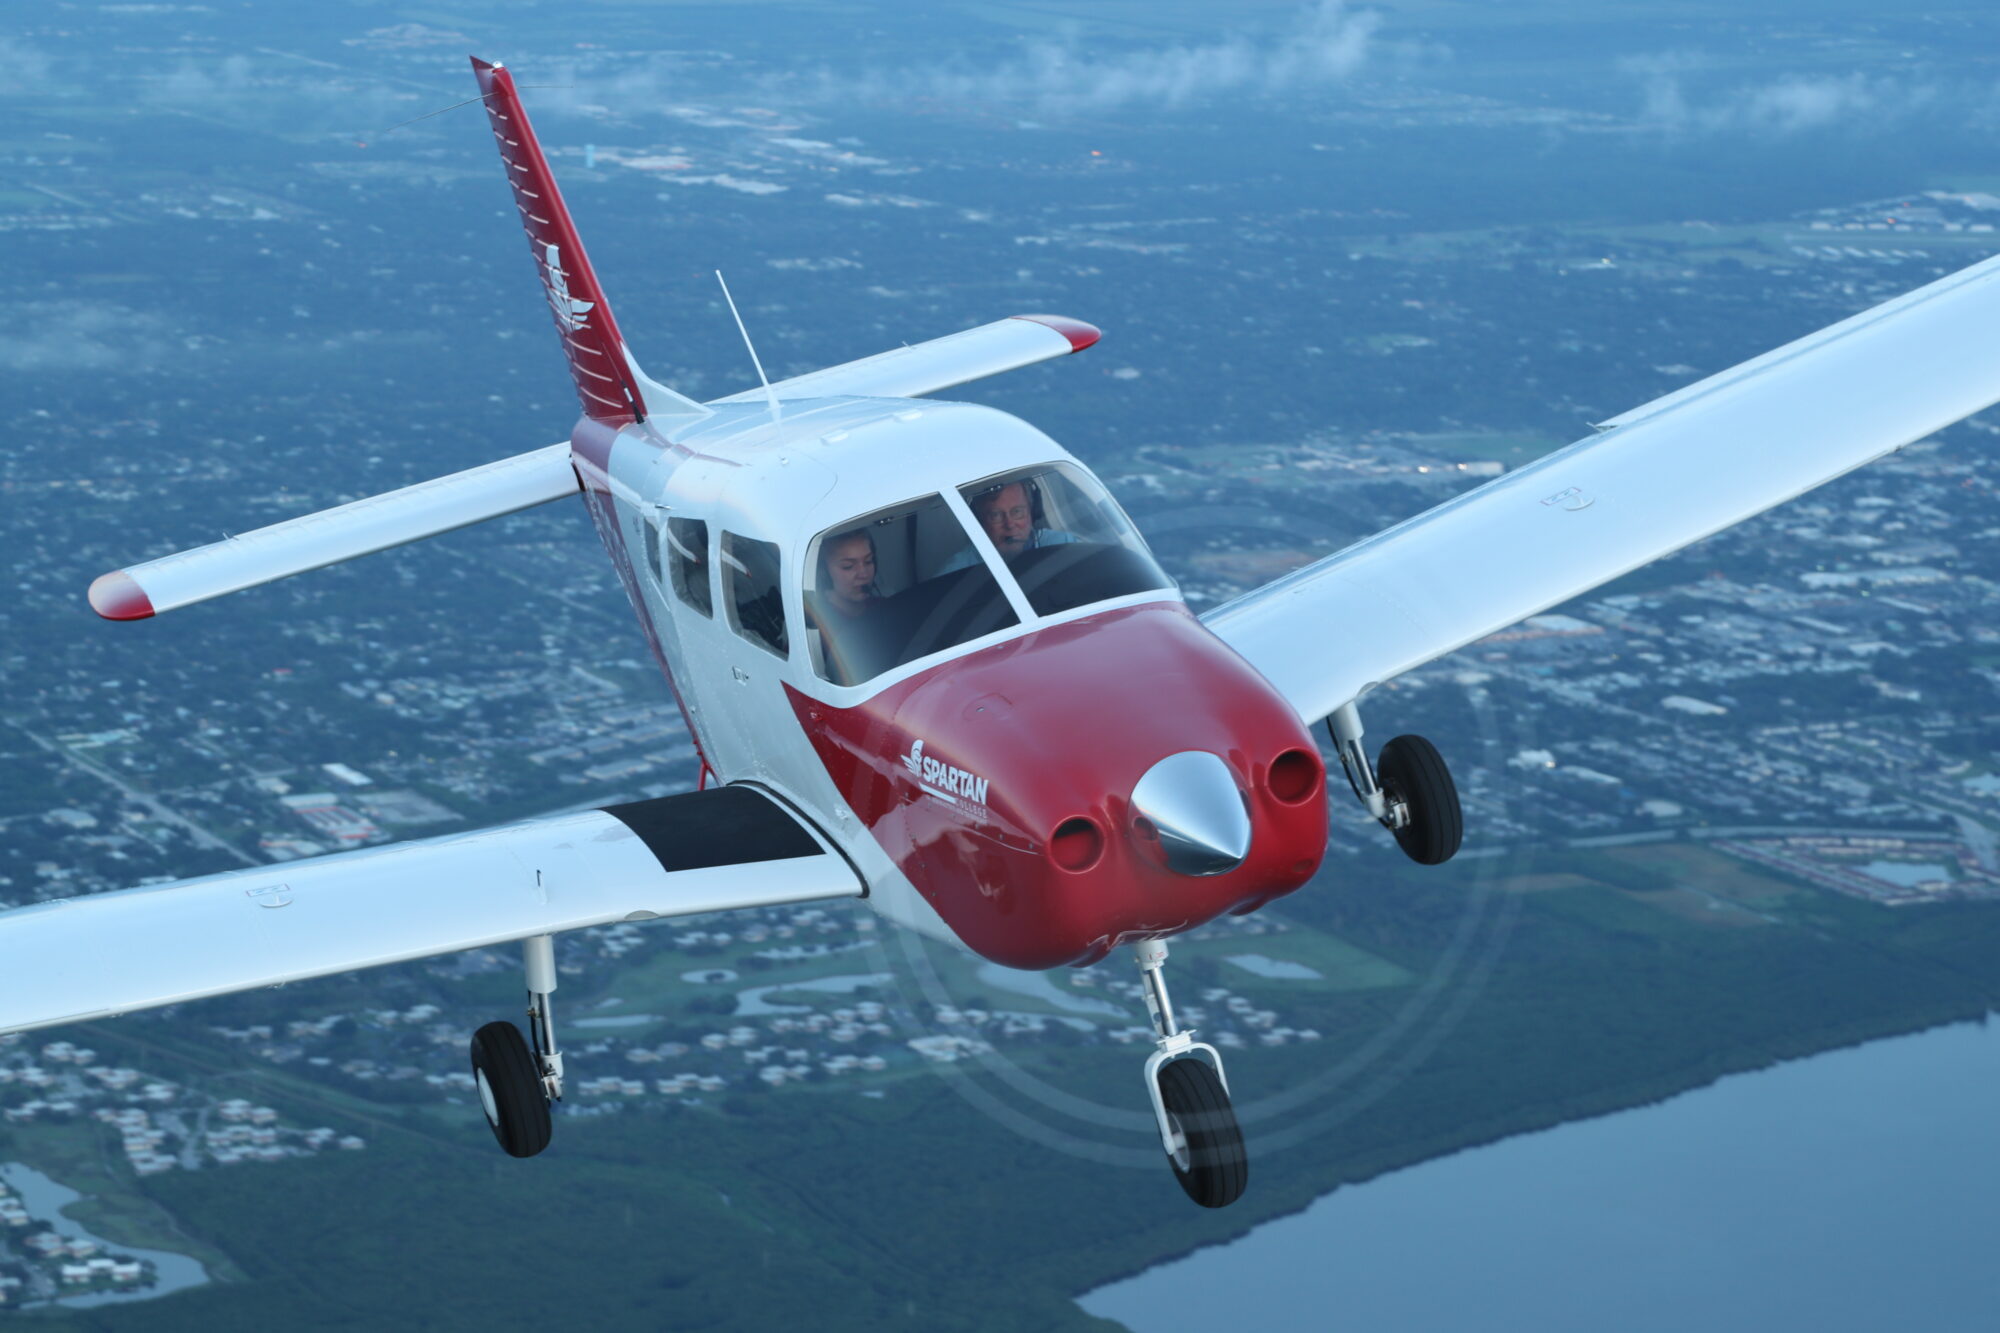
[1656, 479]
[332, 535]
[941, 363]
[110, 953]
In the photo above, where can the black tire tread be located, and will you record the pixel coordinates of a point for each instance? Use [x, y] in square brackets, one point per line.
[502, 1053]
[1411, 767]
[1218, 1166]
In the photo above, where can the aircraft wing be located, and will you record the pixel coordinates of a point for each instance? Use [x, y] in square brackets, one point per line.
[111, 953]
[333, 535]
[941, 363]
[1656, 478]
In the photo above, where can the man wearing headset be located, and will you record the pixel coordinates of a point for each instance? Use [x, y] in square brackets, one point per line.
[1008, 514]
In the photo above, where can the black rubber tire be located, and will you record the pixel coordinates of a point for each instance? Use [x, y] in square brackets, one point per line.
[510, 1089]
[1216, 1167]
[1412, 770]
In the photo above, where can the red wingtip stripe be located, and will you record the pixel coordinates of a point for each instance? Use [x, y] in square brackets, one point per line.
[118, 596]
[1080, 334]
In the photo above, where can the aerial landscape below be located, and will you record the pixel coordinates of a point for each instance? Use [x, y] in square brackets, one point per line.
[1736, 807]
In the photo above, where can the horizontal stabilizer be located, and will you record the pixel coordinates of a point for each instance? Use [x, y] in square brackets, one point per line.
[333, 535]
[112, 953]
[941, 363]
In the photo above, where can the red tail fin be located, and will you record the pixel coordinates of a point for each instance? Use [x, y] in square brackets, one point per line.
[605, 380]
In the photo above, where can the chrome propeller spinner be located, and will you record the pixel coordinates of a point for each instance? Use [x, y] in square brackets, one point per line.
[1192, 803]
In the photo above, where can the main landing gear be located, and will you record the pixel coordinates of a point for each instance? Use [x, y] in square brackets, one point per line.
[1408, 790]
[516, 1084]
[1190, 1098]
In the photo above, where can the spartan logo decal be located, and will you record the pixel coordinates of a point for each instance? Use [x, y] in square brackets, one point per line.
[953, 786]
[570, 313]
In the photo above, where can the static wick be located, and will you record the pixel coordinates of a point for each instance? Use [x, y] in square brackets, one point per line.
[770, 397]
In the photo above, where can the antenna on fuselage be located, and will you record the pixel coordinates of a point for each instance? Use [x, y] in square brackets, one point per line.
[762, 378]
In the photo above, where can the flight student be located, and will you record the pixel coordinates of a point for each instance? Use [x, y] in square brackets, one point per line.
[1007, 513]
[846, 608]
[847, 573]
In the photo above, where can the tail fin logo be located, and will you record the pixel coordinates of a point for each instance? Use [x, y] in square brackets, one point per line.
[914, 760]
[570, 313]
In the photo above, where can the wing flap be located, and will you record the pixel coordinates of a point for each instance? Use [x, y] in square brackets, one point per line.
[941, 363]
[1660, 477]
[112, 953]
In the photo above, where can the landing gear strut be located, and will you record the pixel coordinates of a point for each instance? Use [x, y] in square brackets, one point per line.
[517, 1084]
[1190, 1098]
[1408, 790]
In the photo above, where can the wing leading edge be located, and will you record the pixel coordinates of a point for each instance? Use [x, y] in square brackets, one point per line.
[111, 953]
[1658, 478]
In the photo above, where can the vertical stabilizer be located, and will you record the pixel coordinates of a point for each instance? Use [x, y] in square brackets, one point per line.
[607, 381]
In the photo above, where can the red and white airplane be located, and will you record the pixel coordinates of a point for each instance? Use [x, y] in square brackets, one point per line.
[927, 662]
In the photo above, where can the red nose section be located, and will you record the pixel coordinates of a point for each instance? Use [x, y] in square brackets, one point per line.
[1001, 783]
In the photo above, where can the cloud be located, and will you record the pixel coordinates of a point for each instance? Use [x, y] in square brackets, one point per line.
[45, 337]
[1790, 105]
[1326, 45]
[23, 65]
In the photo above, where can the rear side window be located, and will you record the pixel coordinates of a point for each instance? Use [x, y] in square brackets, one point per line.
[687, 562]
[750, 587]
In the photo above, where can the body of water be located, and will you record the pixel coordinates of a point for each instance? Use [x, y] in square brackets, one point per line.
[1275, 969]
[751, 1003]
[1039, 986]
[46, 1198]
[1856, 1190]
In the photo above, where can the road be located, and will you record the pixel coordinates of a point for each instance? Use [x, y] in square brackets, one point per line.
[159, 809]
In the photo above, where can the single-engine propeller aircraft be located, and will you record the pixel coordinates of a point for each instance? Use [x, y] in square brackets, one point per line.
[926, 661]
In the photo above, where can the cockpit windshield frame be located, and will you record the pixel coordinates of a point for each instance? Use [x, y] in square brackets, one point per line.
[901, 571]
[897, 585]
[1061, 539]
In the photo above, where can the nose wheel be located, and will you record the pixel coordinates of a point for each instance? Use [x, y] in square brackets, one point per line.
[1190, 1098]
[1408, 789]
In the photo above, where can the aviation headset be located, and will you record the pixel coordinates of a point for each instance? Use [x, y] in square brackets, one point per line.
[1037, 514]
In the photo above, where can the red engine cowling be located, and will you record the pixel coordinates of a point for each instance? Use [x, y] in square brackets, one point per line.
[1001, 783]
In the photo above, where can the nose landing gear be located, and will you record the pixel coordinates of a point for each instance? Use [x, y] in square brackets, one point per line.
[1409, 789]
[515, 1084]
[1190, 1098]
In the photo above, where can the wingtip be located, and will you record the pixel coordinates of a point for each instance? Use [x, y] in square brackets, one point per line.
[1080, 334]
[118, 596]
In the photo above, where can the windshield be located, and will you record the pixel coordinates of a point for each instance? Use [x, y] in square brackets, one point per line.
[894, 586]
[1064, 540]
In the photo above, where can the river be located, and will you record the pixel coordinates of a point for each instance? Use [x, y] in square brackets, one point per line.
[46, 1199]
[1854, 1190]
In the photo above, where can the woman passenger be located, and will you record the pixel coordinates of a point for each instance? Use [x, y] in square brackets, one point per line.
[847, 609]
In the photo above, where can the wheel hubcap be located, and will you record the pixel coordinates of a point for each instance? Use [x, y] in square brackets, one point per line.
[486, 1102]
[1180, 1156]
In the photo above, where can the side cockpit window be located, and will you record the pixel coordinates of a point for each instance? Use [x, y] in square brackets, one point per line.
[890, 587]
[686, 556]
[750, 587]
[1063, 539]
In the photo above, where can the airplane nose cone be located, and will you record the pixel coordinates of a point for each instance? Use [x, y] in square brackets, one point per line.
[1193, 805]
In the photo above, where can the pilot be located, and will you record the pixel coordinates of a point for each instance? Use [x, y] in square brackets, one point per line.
[846, 609]
[1011, 516]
